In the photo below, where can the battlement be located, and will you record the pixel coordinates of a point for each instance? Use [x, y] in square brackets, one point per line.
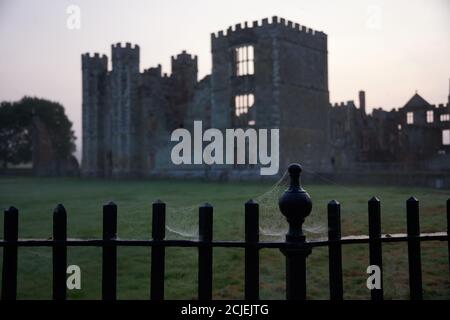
[94, 61]
[349, 103]
[126, 50]
[127, 54]
[184, 57]
[155, 71]
[127, 45]
[266, 24]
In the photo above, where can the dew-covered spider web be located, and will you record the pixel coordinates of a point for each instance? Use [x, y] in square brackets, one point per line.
[182, 222]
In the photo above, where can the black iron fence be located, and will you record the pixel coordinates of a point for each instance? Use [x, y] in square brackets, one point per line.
[295, 204]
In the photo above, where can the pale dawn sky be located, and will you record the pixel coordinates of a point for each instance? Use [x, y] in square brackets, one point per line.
[388, 48]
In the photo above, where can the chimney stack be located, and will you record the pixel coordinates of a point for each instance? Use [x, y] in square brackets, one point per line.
[362, 102]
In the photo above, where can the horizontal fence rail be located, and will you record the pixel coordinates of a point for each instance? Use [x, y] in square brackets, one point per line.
[295, 204]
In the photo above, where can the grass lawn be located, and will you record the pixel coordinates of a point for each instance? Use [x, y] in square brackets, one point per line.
[83, 199]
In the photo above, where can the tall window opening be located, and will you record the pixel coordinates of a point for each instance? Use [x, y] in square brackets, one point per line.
[430, 116]
[445, 117]
[409, 117]
[242, 103]
[244, 61]
[446, 137]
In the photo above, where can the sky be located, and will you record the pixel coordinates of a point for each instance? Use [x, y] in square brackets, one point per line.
[390, 49]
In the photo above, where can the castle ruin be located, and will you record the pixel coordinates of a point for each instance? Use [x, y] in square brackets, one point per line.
[268, 74]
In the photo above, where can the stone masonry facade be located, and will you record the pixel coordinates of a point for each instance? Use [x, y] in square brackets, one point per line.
[268, 74]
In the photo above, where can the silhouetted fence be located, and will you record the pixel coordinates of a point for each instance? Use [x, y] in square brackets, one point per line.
[295, 204]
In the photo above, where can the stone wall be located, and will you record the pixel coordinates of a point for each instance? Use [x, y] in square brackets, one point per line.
[94, 83]
[128, 116]
[290, 85]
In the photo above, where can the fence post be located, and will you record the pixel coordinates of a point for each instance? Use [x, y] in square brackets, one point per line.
[158, 250]
[109, 254]
[205, 252]
[59, 252]
[251, 251]
[414, 259]
[9, 271]
[375, 248]
[295, 204]
[335, 250]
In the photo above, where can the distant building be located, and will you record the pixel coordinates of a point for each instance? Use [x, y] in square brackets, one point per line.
[415, 136]
[270, 74]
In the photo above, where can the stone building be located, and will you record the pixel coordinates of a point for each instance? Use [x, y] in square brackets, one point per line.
[277, 74]
[413, 137]
[128, 115]
[267, 74]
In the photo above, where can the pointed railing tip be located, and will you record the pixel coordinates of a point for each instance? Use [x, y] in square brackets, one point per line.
[158, 201]
[111, 203]
[412, 199]
[374, 199]
[207, 205]
[12, 209]
[250, 201]
[59, 208]
[333, 203]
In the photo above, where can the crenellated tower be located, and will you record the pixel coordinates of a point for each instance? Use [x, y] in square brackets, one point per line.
[274, 74]
[125, 110]
[184, 80]
[154, 93]
[184, 72]
[94, 78]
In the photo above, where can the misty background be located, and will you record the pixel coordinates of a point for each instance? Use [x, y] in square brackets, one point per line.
[389, 49]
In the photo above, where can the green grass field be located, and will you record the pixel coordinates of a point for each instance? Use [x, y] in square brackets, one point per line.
[83, 199]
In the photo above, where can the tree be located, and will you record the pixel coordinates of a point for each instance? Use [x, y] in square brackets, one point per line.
[15, 129]
[15, 138]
